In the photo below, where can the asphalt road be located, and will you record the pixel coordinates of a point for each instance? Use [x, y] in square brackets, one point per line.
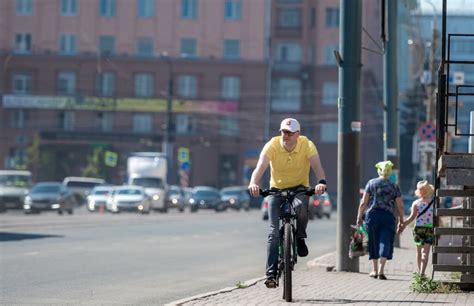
[134, 259]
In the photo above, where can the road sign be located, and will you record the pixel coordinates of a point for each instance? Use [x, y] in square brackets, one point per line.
[427, 131]
[183, 155]
[427, 146]
[110, 159]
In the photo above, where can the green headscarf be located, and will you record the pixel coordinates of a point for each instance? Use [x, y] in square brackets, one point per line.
[384, 168]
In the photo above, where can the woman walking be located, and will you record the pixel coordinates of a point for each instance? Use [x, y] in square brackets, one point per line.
[379, 202]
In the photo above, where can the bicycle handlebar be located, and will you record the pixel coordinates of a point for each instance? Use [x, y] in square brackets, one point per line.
[284, 192]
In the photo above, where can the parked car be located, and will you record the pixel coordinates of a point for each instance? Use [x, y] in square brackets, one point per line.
[319, 206]
[176, 198]
[264, 208]
[97, 200]
[204, 197]
[236, 197]
[50, 196]
[129, 198]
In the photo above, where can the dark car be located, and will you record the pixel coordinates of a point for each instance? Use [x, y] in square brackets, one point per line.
[319, 206]
[236, 197]
[50, 196]
[204, 197]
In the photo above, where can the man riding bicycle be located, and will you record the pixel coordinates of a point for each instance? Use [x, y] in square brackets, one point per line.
[290, 156]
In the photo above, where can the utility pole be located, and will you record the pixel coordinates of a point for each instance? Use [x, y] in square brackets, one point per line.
[167, 144]
[268, 71]
[390, 93]
[348, 156]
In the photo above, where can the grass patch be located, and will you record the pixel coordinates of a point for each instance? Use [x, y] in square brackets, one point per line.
[241, 285]
[422, 284]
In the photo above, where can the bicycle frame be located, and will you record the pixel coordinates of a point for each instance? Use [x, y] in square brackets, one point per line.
[287, 256]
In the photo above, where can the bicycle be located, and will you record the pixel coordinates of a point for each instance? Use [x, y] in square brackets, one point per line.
[287, 256]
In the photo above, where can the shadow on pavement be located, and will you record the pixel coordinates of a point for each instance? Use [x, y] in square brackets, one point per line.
[347, 301]
[21, 236]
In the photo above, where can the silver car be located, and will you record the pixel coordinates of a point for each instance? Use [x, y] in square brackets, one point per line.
[129, 198]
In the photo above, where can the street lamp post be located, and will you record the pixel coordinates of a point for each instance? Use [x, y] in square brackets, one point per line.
[167, 144]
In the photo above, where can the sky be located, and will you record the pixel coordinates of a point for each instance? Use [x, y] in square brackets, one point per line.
[466, 6]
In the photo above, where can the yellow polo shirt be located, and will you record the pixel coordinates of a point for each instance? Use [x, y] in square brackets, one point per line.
[289, 169]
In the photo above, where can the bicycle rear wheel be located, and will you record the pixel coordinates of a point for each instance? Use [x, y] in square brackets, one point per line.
[287, 237]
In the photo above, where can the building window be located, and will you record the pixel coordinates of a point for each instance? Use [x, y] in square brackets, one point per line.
[19, 118]
[68, 7]
[288, 52]
[107, 8]
[187, 86]
[66, 83]
[328, 132]
[145, 8]
[106, 45]
[312, 17]
[106, 84]
[142, 123]
[329, 54]
[184, 124]
[232, 9]
[21, 83]
[145, 47]
[188, 47]
[24, 7]
[67, 120]
[311, 55]
[67, 44]
[230, 88]
[231, 48]
[229, 126]
[330, 93]
[332, 17]
[289, 18]
[189, 9]
[23, 43]
[105, 121]
[286, 95]
[144, 85]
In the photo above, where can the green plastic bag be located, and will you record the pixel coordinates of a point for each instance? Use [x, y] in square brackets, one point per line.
[359, 241]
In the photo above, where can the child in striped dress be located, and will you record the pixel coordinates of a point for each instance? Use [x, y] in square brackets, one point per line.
[422, 211]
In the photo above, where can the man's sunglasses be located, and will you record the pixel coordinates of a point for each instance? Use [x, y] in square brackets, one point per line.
[288, 133]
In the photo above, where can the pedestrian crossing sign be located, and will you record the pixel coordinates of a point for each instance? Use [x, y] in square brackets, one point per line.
[110, 159]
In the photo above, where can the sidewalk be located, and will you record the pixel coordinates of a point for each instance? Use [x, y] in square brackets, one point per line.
[313, 284]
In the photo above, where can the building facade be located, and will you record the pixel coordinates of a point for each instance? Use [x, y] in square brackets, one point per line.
[79, 76]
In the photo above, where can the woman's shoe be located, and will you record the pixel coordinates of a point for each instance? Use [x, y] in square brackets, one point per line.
[373, 274]
[382, 276]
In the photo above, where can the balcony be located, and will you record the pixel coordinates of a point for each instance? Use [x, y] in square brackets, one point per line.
[288, 67]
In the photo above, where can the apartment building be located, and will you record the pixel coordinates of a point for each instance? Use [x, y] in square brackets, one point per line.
[81, 75]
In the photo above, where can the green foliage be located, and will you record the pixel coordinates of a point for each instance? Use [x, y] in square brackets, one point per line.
[422, 284]
[455, 275]
[40, 161]
[241, 285]
[95, 166]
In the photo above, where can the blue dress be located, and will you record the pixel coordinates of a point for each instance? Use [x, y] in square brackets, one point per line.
[380, 218]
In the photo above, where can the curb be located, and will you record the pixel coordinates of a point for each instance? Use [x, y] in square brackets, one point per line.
[320, 261]
[247, 283]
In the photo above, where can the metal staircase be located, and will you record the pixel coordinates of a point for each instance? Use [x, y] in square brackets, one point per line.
[453, 248]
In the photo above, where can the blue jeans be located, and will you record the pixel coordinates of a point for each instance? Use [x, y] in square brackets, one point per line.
[300, 203]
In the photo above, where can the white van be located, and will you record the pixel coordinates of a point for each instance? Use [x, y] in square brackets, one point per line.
[14, 186]
[82, 185]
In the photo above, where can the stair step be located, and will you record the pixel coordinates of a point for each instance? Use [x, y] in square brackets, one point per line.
[454, 249]
[455, 193]
[458, 212]
[458, 176]
[463, 231]
[453, 268]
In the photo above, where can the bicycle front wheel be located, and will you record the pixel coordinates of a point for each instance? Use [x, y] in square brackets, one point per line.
[287, 237]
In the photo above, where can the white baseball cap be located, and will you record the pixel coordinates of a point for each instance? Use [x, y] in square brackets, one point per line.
[290, 124]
